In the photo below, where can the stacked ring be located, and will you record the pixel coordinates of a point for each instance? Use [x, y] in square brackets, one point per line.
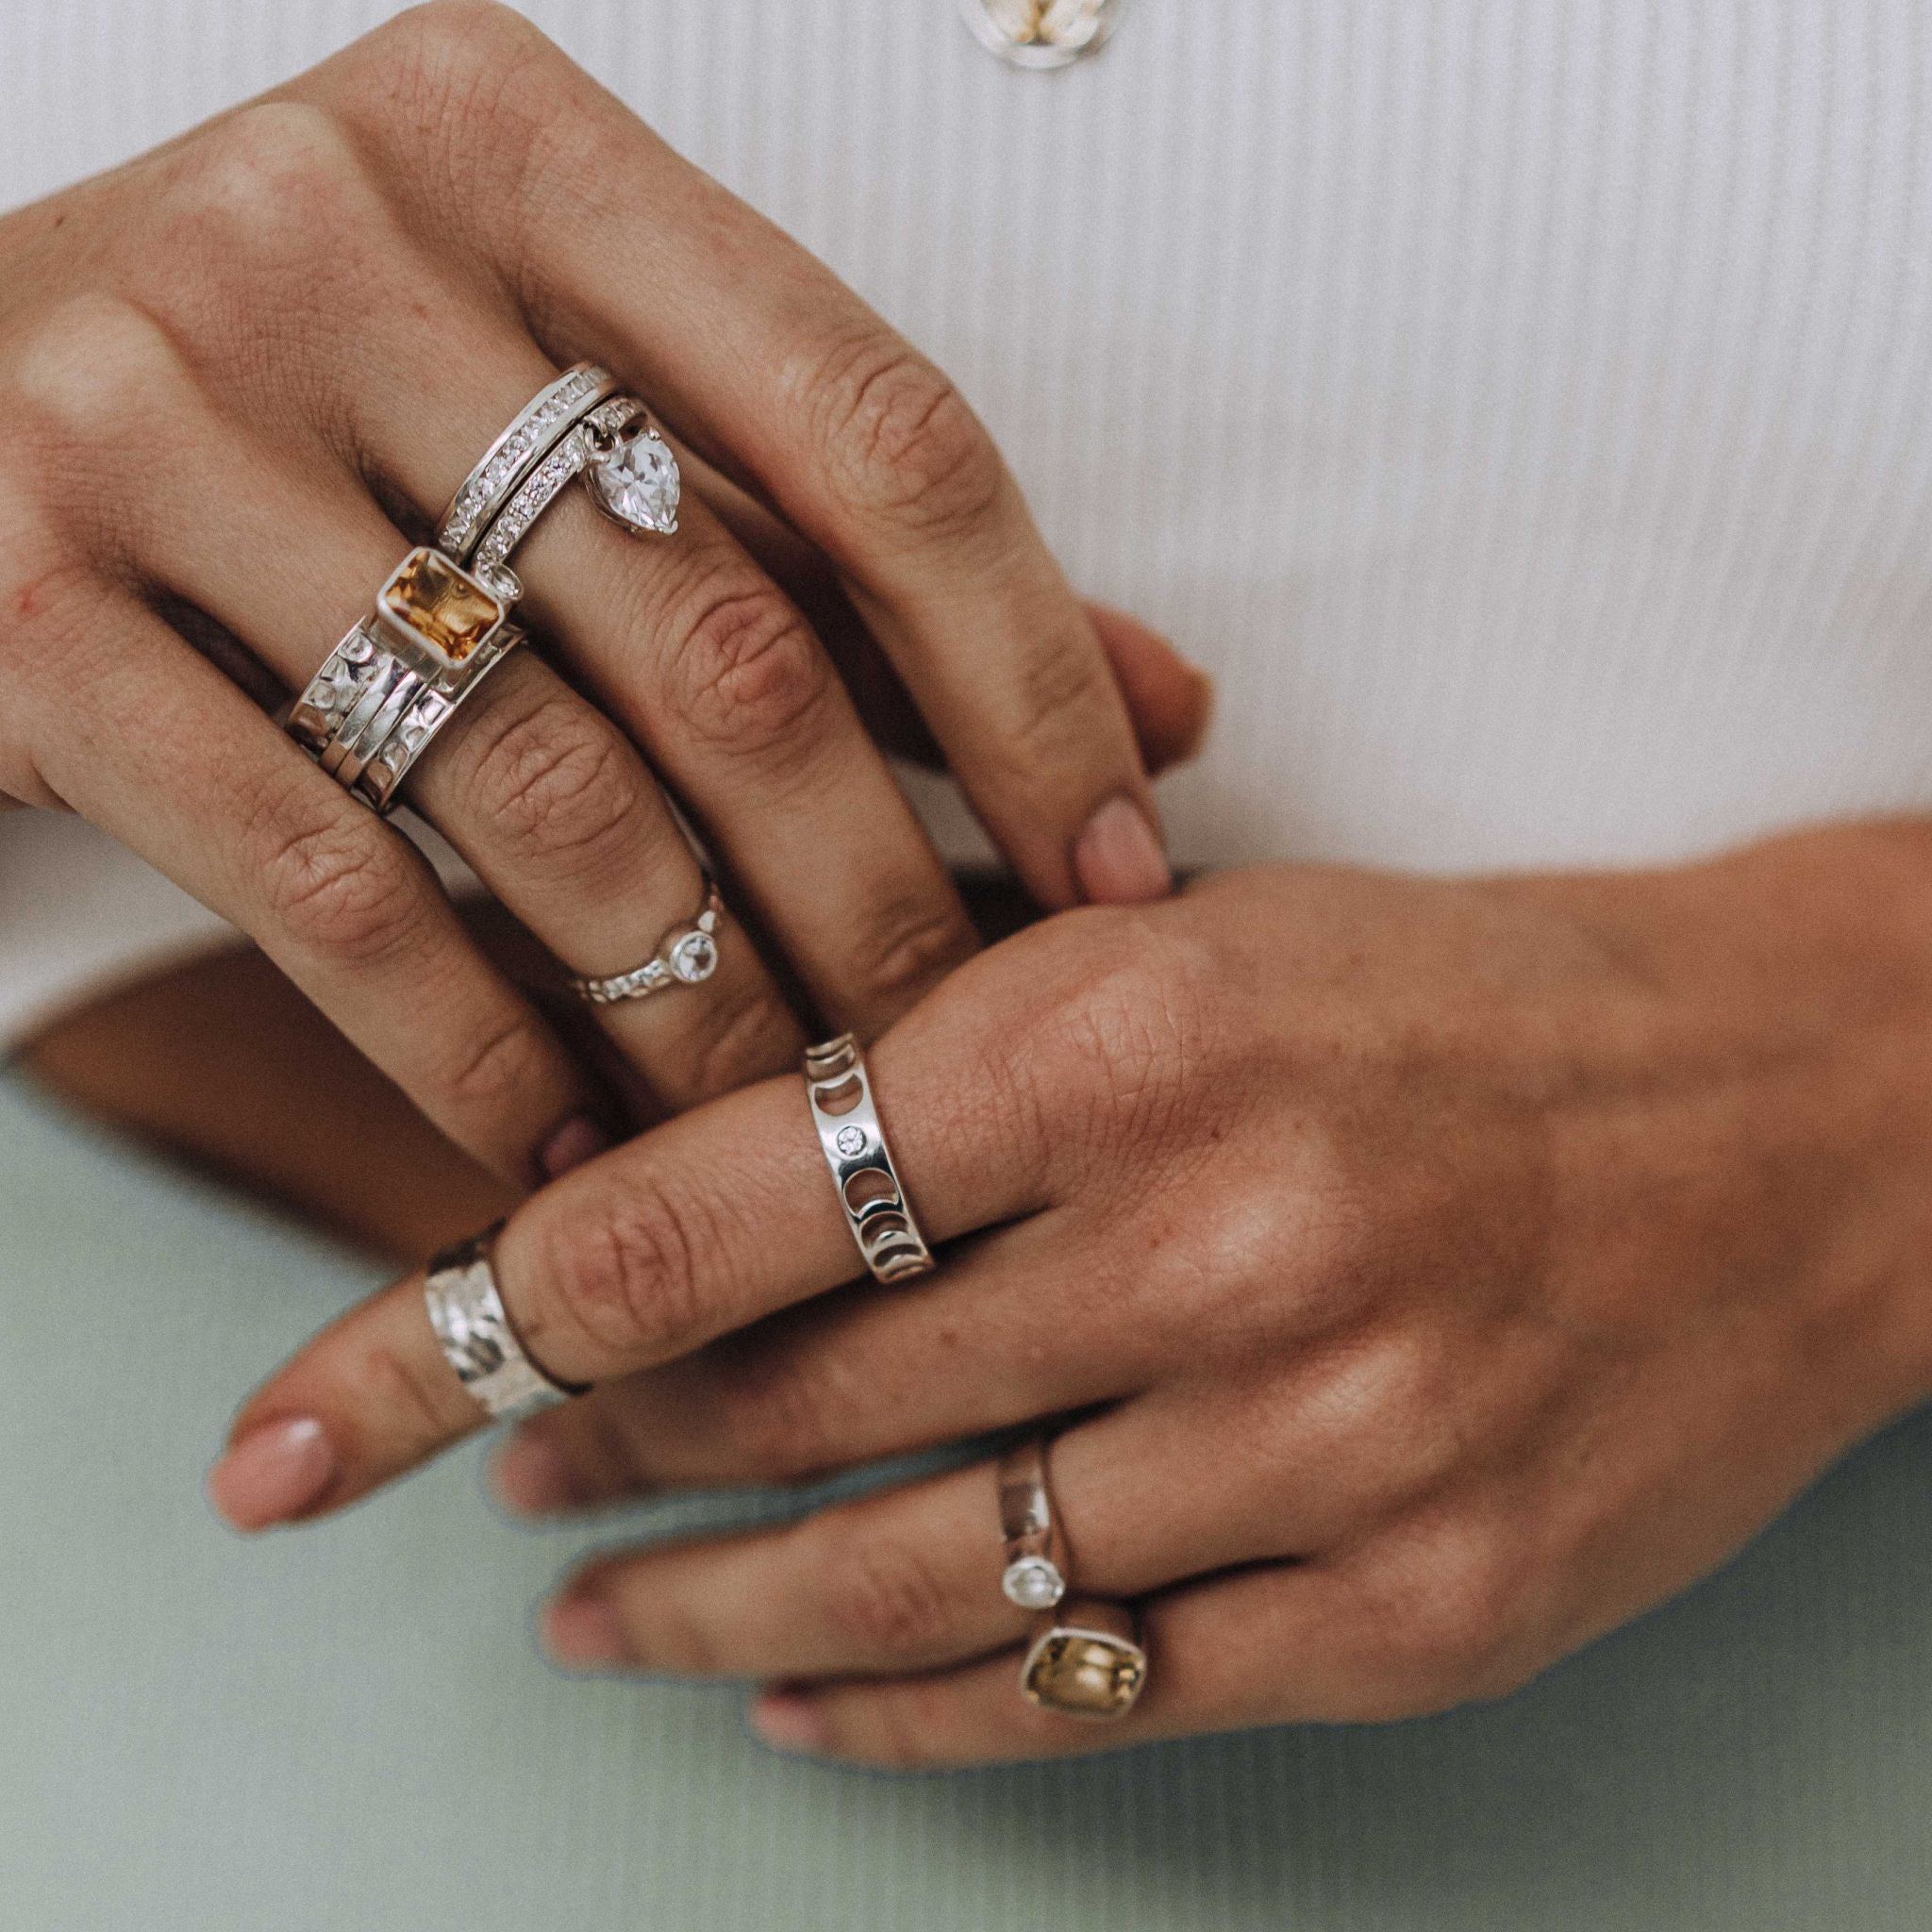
[854, 1142]
[577, 424]
[473, 1328]
[394, 680]
[1086, 1659]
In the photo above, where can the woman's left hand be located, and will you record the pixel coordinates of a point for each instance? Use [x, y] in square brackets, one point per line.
[1439, 1274]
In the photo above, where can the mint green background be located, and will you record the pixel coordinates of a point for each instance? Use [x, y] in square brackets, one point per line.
[348, 1728]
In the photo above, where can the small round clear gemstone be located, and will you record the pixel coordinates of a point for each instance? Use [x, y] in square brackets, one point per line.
[694, 958]
[1033, 1583]
[638, 482]
[851, 1140]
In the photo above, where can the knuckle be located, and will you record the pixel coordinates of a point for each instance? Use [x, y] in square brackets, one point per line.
[881, 1593]
[274, 182]
[624, 1273]
[489, 1071]
[401, 1391]
[745, 1040]
[557, 783]
[447, 68]
[777, 1413]
[748, 676]
[96, 372]
[1450, 1620]
[900, 444]
[338, 885]
[908, 944]
[1129, 1043]
[1061, 687]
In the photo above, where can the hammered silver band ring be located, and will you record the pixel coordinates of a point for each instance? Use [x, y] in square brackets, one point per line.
[473, 1328]
[875, 1205]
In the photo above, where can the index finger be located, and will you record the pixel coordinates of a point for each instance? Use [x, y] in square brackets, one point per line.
[721, 1216]
[761, 358]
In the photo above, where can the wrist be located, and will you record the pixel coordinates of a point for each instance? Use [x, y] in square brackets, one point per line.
[1821, 941]
[1794, 984]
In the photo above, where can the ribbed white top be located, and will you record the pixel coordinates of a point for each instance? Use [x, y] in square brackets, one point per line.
[1521, 405]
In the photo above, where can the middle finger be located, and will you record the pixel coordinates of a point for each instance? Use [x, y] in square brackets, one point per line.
[714, 671]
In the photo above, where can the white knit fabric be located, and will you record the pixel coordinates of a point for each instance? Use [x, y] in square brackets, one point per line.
[1521, 406]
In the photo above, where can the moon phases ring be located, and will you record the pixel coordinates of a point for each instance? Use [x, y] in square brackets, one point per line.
[875, 1203]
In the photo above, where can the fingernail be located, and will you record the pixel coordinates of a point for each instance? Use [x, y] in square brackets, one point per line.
[582, 1633]
[574, 1143]
[1117, 859]
[788, 1721]
[532, 1476]
[273, 1473]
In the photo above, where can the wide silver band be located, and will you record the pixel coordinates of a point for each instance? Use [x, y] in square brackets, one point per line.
[1034, 1578]
[474, 1332]
[686, 956]
[384, 693]
[535, 430]
[875, 1203]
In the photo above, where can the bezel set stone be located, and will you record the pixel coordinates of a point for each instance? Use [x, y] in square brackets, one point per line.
[1033, 1583]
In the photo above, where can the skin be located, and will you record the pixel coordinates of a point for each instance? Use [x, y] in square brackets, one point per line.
[241, 374]
[1426, 1276]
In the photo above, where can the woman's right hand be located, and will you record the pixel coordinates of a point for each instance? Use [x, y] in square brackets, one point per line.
[234, 373]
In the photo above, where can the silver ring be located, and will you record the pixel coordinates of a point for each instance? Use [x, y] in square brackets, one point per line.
[875, 1203]
[474, 1332]
[534, 431]
[686, 956]
[392, 683]
[1033, 1578]
[575, 426]
[1086, 1659]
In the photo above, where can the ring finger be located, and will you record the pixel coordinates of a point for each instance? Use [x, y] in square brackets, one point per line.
[908, 1578]
[714, 671]
[547, 801]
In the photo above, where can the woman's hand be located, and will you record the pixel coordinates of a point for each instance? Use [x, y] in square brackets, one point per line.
[1438, 1275]
[230, 371]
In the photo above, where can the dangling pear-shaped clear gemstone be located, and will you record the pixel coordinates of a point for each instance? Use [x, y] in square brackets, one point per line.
[636, 481]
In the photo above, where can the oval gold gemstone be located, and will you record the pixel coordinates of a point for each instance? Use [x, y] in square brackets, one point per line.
[443, 606]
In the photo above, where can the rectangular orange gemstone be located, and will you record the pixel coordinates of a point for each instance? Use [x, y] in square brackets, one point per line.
[441, 604]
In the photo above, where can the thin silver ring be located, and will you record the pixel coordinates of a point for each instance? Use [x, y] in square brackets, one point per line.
[686, 956]
[385, 691]
[1035, 1575]
[534, 431]
[474, 1330]
[1086, 1659]
[875, 1203]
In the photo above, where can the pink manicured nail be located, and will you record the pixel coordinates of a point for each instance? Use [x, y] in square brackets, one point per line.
[273, 1473]
[1117, 859]
[574, 1143]
[788, 1722]
[531, 1477]
[582, 1633]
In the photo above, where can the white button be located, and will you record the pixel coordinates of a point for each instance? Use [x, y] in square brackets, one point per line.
[1041, 33]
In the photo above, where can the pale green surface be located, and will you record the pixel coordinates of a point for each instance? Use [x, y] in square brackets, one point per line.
[347, 1730]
